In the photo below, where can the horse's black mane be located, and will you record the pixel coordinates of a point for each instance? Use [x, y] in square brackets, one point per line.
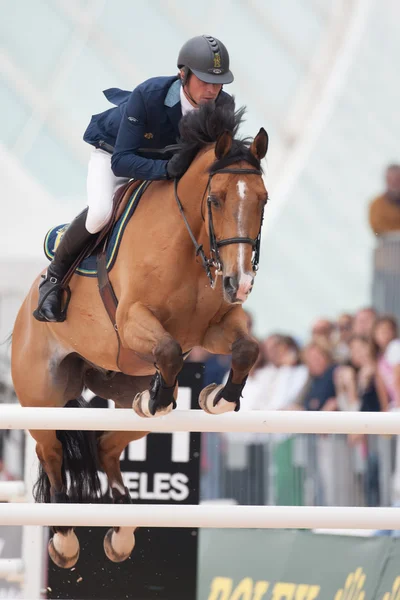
[199, 128]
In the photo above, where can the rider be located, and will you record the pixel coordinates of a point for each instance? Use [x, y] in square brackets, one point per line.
[147, 118]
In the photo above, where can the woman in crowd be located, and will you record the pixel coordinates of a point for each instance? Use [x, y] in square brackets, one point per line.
[327, 483]
[373, 398]
[387, 346]
[320, 392]
[359, 385]
[292, 374]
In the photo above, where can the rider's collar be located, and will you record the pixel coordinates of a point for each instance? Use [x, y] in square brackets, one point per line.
[185, 104]
[173, 95]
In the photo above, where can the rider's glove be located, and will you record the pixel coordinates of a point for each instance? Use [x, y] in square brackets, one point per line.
[176, 166]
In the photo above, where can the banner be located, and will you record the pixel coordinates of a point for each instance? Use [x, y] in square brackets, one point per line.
[389, 586]
[296, 565]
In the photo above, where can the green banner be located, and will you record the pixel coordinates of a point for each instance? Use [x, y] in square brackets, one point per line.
[296, 565]
[389, 585]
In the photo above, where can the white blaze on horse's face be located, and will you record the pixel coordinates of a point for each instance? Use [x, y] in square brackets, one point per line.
[237, 205]
[245, 279]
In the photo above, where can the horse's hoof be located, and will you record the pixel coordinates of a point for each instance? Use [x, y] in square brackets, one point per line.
[64, 549]
[206, 401]
[141, 404]
[118, 545]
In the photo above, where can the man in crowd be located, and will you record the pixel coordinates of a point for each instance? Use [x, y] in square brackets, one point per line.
[384, 211]
[364, 321]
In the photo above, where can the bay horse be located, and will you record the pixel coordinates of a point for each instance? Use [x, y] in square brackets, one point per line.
[185, 266]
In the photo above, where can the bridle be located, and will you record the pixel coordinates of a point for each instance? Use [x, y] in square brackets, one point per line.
[214, 261]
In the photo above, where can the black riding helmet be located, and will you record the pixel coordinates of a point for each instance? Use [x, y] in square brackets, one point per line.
[207, 58]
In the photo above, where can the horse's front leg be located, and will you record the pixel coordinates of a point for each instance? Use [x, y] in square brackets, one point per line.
[143, 333]
[118, 541]
[230, 336]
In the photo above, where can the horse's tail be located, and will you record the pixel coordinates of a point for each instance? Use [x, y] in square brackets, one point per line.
[80, 465]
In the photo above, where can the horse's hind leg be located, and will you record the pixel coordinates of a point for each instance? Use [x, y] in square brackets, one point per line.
[63, 547]
[144, 334]
[39, 382]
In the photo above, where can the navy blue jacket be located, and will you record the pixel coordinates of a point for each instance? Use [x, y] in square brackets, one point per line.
[322, 388]
[148, 117]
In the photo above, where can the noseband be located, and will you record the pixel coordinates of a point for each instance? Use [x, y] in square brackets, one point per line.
[214, 261]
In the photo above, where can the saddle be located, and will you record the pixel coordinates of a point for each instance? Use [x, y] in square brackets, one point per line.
[120, 201]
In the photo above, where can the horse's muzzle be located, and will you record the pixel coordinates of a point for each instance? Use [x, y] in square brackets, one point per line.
[237, 290]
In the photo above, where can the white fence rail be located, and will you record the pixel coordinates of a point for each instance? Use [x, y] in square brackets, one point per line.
[33, 516]
[163, 515]
[103, 419]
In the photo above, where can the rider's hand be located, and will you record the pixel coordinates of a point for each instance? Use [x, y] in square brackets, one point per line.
[178, 164]
[174, 167]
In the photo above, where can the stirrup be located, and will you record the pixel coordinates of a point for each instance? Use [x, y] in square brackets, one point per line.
[37, 313]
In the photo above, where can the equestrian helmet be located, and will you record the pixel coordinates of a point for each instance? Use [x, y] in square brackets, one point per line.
[207, 58]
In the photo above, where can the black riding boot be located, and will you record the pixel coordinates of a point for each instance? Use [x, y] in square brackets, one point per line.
[72, 243]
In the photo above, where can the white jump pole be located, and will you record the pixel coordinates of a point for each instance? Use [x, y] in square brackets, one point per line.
[103, 419]
[163, 515]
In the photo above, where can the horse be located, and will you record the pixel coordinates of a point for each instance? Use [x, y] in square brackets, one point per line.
[185, 266]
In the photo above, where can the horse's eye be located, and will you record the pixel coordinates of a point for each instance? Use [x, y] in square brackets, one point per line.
[215, 202]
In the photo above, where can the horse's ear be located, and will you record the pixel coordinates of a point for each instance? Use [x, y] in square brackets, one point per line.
[223, 145]
[259, 146]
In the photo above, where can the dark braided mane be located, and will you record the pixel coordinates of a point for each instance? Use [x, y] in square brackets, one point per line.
[202, 127]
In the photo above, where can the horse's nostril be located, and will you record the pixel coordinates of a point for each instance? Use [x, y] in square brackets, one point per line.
[230, 283]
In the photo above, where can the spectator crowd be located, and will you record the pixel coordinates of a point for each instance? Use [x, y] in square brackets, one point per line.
[352, 363]
[348, 364]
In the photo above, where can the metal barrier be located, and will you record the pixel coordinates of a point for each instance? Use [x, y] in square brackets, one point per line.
[300, 470]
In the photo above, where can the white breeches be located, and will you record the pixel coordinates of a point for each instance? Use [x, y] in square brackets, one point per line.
[101, 187]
